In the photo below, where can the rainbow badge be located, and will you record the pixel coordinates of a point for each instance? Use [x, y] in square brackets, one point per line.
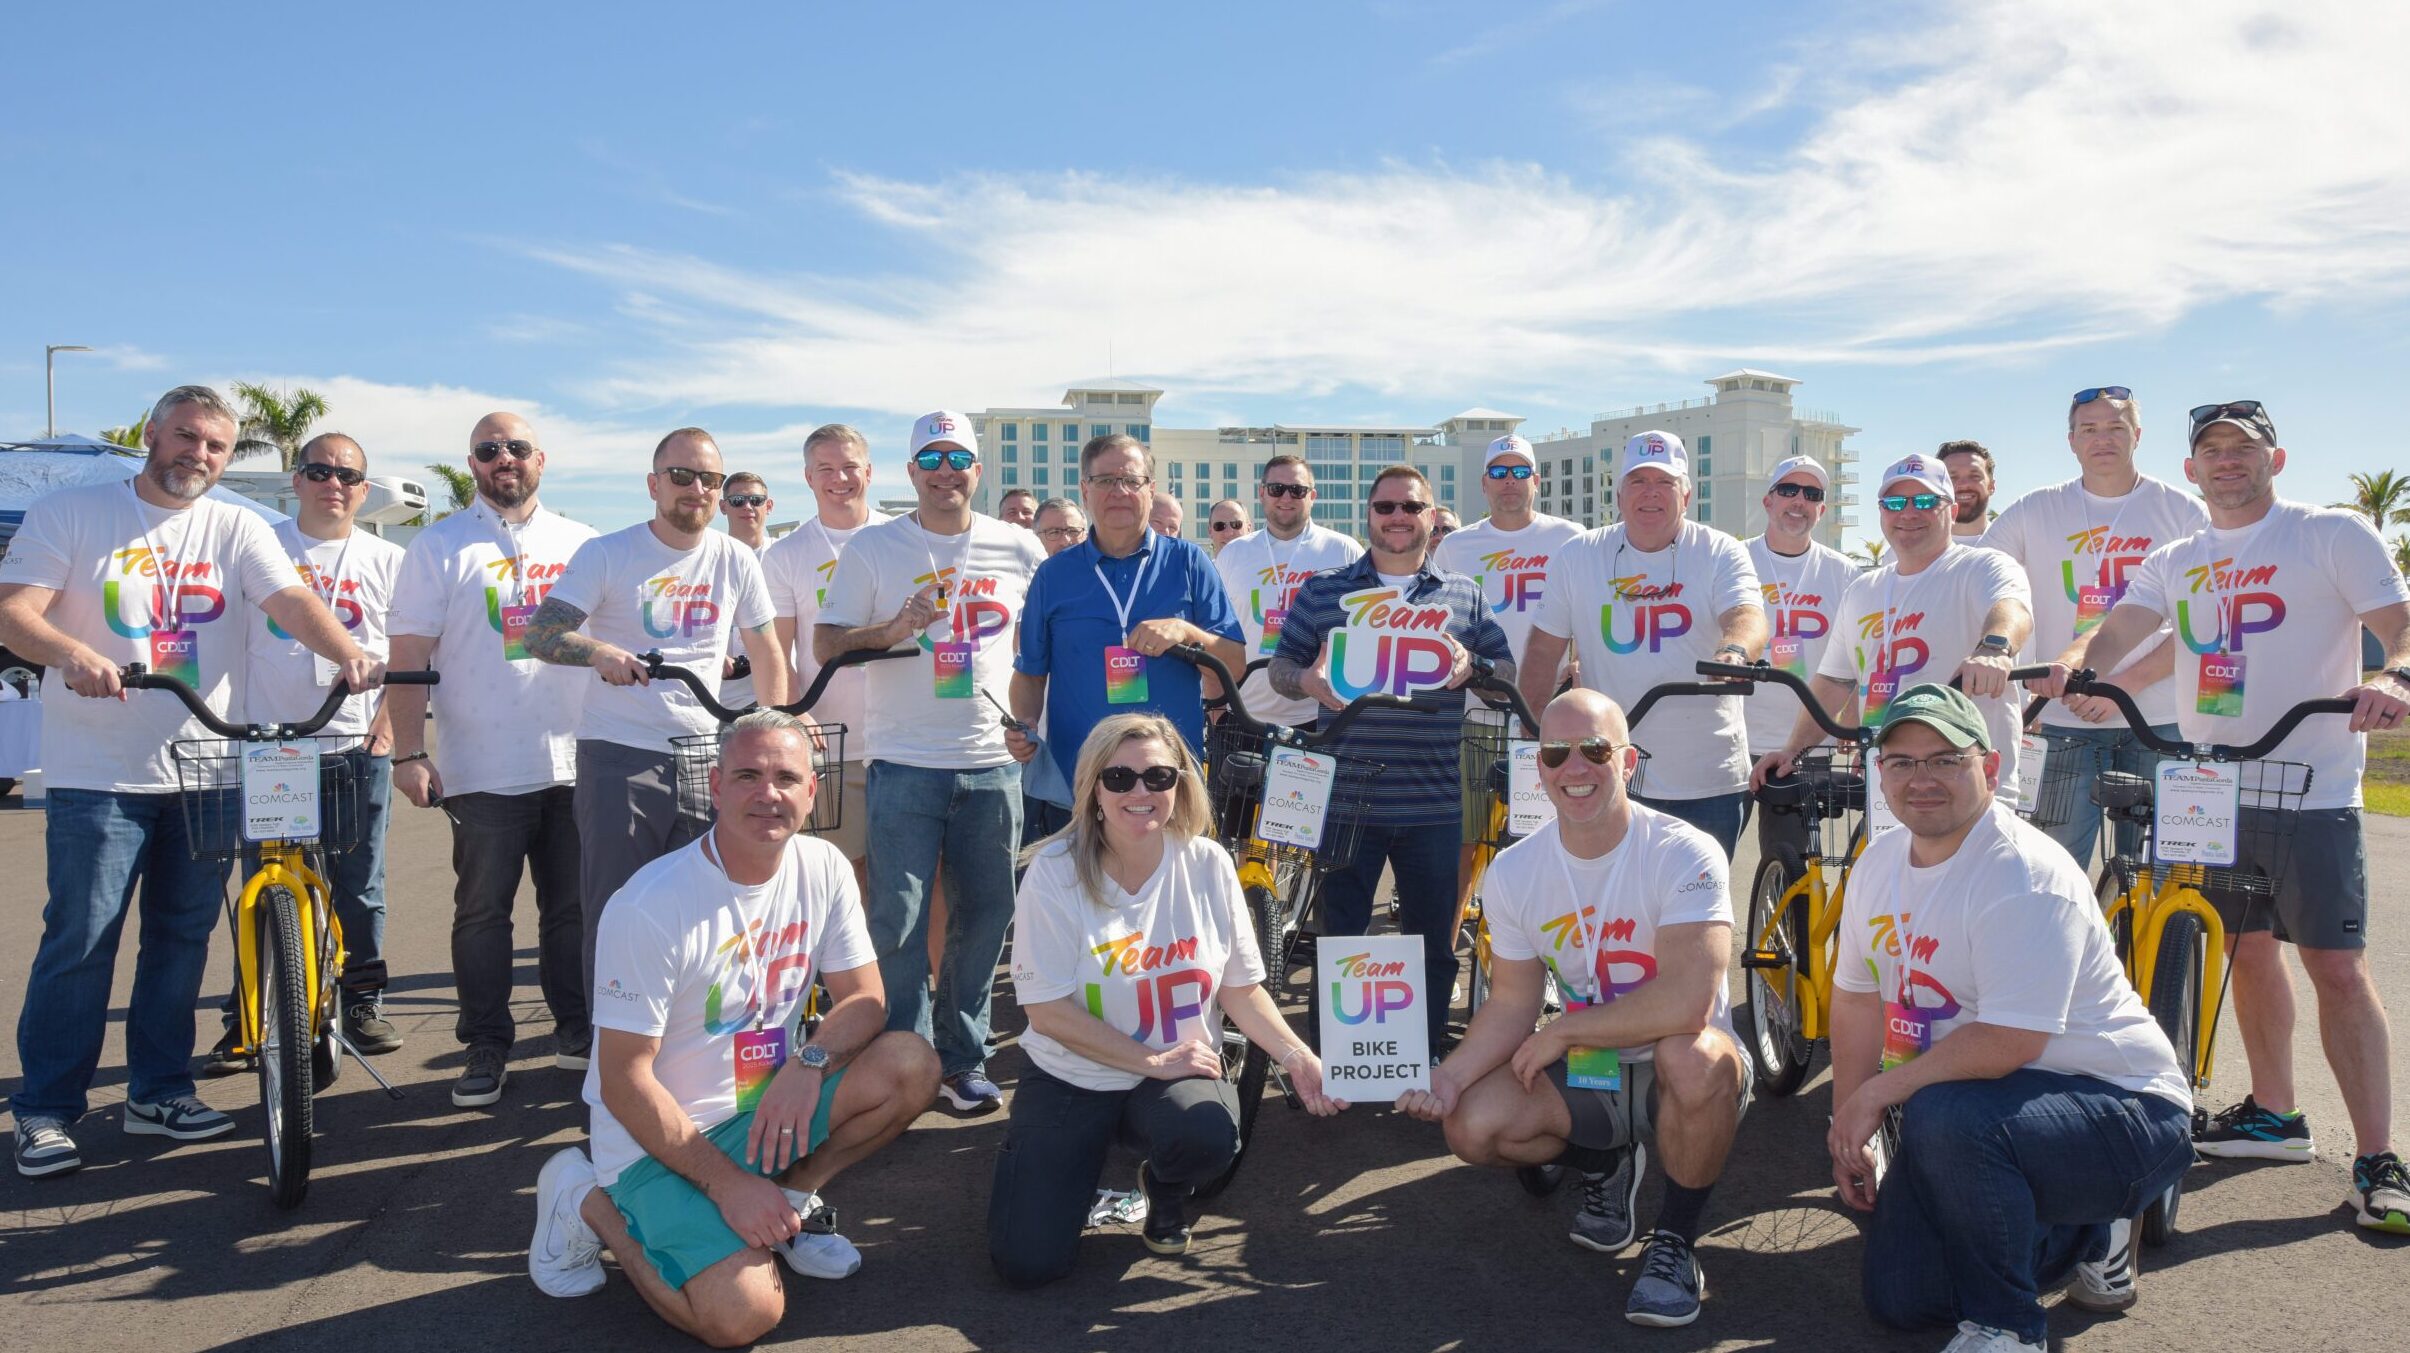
[2221, 690]
[952, 664]
[1789, 653]
[1125, 676]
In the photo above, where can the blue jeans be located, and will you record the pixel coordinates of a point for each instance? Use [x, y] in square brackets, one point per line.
[1718, 815]
[2002, 1186]
[1422, 860]
[100, 843]
[2090, 751]
[971, 819]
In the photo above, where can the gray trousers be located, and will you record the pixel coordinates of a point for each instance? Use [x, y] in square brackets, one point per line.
[627, 817]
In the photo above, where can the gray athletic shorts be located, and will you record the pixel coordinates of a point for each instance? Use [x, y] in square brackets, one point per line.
[2321, 897]
[1606, 1120]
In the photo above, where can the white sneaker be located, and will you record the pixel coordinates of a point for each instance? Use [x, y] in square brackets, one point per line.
[2109, 1284]
[1974, 1338]
[818, 1253]
[565, 1257]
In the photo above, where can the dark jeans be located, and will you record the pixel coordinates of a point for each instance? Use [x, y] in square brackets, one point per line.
[970, 819]
[100, 844]
[1718, 815]
[495, 837]
[1054, 1153]
[1422, 859]
[2002, 1186]
[1039, 820]
[627, 817]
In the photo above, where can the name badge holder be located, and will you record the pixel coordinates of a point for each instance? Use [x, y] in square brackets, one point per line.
[1297, 797]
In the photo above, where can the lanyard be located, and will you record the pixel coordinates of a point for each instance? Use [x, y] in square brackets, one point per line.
[2209, 568]
[1122, 608]
[1786, 588]
[1890, 617]
[750, 946]
[1280, 566]
[962, 557]
[1591, 935]
[1899, 896]
[334, 580]
[165, 613]
[512, 554]
[1615, 568]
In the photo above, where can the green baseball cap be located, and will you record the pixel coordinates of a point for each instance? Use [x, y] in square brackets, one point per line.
[1943, 709]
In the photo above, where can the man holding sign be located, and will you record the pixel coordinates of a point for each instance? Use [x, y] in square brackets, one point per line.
[1391, 624]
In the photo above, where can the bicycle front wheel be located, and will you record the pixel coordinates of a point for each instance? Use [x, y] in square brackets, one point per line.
[285, 1065]
[1776, 961]
[2176, 985]
[1245, 1065]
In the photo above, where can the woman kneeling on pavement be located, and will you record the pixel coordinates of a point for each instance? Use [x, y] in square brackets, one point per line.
[1131, 940]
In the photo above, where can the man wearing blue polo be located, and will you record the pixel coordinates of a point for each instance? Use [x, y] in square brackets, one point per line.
[1102, 613]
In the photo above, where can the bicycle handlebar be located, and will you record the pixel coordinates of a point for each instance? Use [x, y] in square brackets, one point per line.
[1328, 733]
[1648, 700]
[138, 677]
[1487, 681]
[2088, 683]
[657, 670]
[1761, 671]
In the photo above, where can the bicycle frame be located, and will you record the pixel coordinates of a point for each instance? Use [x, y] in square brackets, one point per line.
[322, 952]
[2152, 902]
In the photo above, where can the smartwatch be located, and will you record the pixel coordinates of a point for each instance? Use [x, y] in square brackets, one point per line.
[1993, 645]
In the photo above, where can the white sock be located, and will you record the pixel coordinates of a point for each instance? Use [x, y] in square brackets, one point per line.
[803, 1201]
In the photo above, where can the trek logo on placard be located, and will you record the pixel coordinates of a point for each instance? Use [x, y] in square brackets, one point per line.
[1650, 615]
[2238, 607]
[1381, 989]
[1165, 996]
[1519, 579]
[977, 613]
[783, 962]
[1389, 646]
[130, 606]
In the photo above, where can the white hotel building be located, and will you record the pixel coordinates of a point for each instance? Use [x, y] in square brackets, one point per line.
[1735, 436]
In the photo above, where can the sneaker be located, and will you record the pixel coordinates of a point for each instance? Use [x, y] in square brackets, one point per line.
[1604, 1222]
[971, 1092]
[565, 1255]
[573, 1052]
[481, 1083]
[2380, 1188]
[2109, 1284]
[817, 1251]
[1166, 1217]
[1670, 1286]
[180, 1116]
[1974, 1338]
[366, 1028]
[2246, 1131]
[225, 1059]
[43, 1147]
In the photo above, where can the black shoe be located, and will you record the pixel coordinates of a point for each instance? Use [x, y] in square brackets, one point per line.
[366, 1028]
[573, 1051]
[225, 1059]
[1166, 1216]
[481, 1084]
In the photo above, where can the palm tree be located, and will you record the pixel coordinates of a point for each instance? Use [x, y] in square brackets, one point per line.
[2401, 553]
[458, 483]
[2383, 498]
[275, 420]
[1869, 554]
[129, 435]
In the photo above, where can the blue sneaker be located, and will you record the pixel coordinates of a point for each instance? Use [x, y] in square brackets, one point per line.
[2246, 1131]
[971, 1092]
[1671, 1284]
[2380, 1191]
[182, 1117]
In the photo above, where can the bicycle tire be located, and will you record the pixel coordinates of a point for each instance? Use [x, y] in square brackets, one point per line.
[1247, 1066]
[2176, 983]
[1782, 1053]
[286, 1070]
[2111, 884]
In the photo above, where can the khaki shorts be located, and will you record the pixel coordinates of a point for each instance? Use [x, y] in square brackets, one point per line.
[852, 833]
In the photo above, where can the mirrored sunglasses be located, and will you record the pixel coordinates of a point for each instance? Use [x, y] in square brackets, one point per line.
[1901, 502]
[1593, 750]
[949, 460]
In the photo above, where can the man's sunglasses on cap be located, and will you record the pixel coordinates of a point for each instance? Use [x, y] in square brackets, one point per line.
[1288, 490]
[1122, 779]
[1901, 502]
[1807, 491]
[1593, 750]
[2083, 397]
[1509, 472]
[485, 452]
[684, 477]
[933, 460]
[341, 474]
[2247, 411]
[746, 499]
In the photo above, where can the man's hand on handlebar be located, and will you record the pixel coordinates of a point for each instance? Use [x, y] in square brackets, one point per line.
[364, 673]
[1770, 765]
[1985, 675]
[2089, 708]
[89, 674]
[1319, 686]
[619, 667]
[2380, 706]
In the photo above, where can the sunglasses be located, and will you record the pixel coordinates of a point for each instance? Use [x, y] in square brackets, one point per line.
[746, 499]
[1289, 490]
[685, 478]
[2083, 397]
[1807, 491]
[948, 460]
[485, 452]
[2250, 411]
[1122, 779]
[341, 474]
[1593, 750]
[1509, 472]
[1385, 507]
[1221, 526]
[1901, 502]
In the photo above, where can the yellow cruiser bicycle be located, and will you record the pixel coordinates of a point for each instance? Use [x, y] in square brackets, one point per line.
[265, 790]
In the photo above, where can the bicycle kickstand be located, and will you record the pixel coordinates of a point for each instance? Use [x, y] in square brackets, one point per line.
[365, 1064]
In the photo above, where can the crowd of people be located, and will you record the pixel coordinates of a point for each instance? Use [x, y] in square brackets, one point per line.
[1030, 772]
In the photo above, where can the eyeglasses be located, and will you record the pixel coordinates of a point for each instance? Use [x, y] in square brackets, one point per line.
[1593, 750]
[2083, 397]
[1061, 532]
[950, 460]
[1901, 502]
[1221, 526]
[684, 477]
[1122, 779]
[746, 499]
[1117, 483]
[341, 474]
[1807, 491]
[1289, 490]
[1384, 507]
[486, 451]
[1941, 763]
[1509, 472]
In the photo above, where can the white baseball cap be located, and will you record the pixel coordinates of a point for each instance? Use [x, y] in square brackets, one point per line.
[1800, 465]
[1509, 445]
[945, 425]
[1660, 449]
[1925, 470]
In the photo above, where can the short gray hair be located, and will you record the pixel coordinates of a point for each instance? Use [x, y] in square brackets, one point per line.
[1060, 505]
[769, 721]
[211, 402]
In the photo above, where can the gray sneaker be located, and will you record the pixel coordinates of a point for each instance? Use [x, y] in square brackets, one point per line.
[366, 1028]
[481, 1083]
[1671, 1285]
[1604, 1222]
[182, 1117]
[43, 1147]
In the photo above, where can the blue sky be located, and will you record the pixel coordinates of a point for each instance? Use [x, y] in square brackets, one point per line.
[1942, 218]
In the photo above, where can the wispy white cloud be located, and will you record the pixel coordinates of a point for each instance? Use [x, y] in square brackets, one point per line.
[1500, 37]
[126, 357]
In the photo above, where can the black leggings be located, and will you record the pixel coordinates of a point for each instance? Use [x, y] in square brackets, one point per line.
[1054, 1153]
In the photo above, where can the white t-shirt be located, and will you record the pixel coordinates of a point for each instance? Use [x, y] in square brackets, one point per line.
[798, 567]
[737, 692]
[690, 958]
[1511, 566]
[1935, 619]
[2078, 551]
[2005, 932]
[1664, 872]
[471, 582]
[1151, 965]
[1645, 619]
[1802, 595]
[640, 594]
[2285, 599]
[284, 681]
[104, 552]
[1262, 574]
[986, 572]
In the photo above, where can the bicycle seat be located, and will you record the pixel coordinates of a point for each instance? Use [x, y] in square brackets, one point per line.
[1243, 768]
[1784, 793]
[2118, 789]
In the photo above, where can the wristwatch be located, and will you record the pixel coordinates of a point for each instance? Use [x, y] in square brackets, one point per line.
[1993, 644]
[2400, 674]
[813, 1057]
[1733, 649]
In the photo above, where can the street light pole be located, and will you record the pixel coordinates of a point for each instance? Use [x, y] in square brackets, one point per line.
[50, 384]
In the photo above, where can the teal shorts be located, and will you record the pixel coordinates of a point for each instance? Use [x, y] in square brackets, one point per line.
[678, 1226]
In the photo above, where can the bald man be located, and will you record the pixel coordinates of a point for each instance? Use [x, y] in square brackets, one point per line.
[1167, 517]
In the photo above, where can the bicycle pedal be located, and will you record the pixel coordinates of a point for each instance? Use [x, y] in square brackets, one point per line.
[1762, 958]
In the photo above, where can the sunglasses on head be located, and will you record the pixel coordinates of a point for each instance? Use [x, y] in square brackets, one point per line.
[2248, 410]
[1509, 472]
[1385, 506]
[685, 478]
[1288, 490]
[1807, 491]
[1593, 750]
[746, 499]
[1901, 502]
[341, 474]
[1122, 779]
[1229, 526]
[949, 460]
[486, 451]
[2083, 397]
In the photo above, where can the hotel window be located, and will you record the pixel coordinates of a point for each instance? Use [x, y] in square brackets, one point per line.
[1037, 431]
[1038, 476]
[1706, 457]
[1138, 430]
[1071, 432]
[1204, 471]
[1012, 431]
[1100, 429]
[1012, 454]
[1447, 475]
[1011, 476]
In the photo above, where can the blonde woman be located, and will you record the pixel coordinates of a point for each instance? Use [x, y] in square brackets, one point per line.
[1130, 942]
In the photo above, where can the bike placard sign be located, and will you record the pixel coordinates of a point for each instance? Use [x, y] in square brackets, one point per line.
[1376, 1036]
[280, 791]
[2033, 752]
[2199, 808]
[1527, 806]
[1879, 817]
[1297, 797]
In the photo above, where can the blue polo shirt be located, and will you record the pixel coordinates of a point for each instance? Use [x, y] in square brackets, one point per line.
[1070, 619]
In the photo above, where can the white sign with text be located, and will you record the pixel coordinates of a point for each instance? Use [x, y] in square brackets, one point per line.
[1297, 797]
[1527, 806]
[280, 791]
[1376, 1035]
[2199, 807]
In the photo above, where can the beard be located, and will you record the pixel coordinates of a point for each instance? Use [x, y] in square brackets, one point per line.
[1972, 511]
[687, 519]
[521, 488]
[178, 482]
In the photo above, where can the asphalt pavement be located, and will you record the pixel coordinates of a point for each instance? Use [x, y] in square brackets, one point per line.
[1354, 1233]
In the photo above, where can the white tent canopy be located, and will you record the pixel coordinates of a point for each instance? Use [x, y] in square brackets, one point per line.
[31, 470]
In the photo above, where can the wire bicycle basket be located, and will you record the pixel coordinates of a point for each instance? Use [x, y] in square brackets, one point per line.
[210, 787]
[696, 753]
[1236, 763]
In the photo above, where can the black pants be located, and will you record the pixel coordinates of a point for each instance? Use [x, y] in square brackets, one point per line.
[495, 836]
[1054, 1153]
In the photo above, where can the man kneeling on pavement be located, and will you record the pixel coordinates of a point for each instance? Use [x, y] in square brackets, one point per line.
[712, 1137]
